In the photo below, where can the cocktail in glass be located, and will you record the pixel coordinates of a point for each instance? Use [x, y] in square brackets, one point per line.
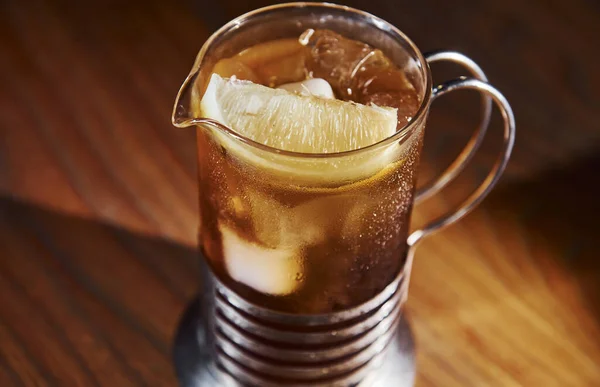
[307, 253]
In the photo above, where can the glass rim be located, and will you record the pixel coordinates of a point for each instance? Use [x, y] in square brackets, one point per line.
[402, 134]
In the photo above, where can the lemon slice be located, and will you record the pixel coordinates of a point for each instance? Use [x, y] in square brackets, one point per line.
[293, 122]
[286, 120]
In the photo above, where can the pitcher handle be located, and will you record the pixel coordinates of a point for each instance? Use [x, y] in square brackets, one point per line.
[477, 82]
[433, 187]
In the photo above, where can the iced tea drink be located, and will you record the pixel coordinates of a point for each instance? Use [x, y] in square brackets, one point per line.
[316, 235]
[310, 120]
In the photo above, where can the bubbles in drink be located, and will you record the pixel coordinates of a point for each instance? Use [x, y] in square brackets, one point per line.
[311, 246]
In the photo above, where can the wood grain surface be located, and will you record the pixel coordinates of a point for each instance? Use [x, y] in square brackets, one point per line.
[98, 208]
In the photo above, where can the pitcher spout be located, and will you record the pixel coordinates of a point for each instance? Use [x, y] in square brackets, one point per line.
[184, 113]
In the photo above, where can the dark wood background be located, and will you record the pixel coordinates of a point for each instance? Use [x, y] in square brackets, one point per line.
[98, 192]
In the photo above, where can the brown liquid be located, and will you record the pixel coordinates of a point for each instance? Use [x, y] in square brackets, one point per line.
[309, 247]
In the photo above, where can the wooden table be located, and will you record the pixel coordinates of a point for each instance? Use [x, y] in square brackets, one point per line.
[98, 193]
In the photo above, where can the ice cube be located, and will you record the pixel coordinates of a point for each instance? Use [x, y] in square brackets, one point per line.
[285, 69]
[271, 271]
[338, 60]
[282, 227]
[231, 67]
[315, 86]
[271, 51]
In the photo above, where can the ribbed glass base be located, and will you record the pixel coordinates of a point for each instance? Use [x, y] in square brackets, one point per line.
[224, 341]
